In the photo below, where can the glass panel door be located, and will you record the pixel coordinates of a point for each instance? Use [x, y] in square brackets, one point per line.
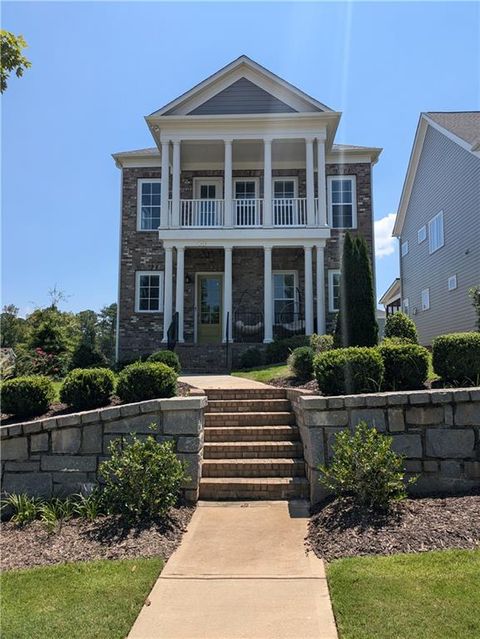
[209, 309]
[246, 190]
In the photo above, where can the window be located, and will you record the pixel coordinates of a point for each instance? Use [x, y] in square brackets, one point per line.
[333, 291]
[404, 248]
[422, 234]
[425, 299]
[406, 306]
[245, 189]
[284, 189]
[435, 233]
[148, 198]
[452, 283]
[342, 202]
[149, 292]
[284, 296]
[285, 207]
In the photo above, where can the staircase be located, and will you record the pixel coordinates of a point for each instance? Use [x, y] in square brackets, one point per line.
[252, 448]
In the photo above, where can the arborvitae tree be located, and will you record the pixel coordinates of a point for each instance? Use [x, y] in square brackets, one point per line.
[356, 321]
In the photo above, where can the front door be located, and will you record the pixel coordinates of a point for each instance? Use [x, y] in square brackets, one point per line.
[209, 308]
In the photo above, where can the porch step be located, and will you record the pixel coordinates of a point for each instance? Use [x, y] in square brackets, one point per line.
[248, 405]
[267, 393]
[277, 467]
[250, 433]
[249, 418]
[252, 450]
[271, 488]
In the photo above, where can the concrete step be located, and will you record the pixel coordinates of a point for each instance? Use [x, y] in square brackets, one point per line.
[257, 449]
[245, 393]
[249, 419]
[276, 467]
[248, 405]
[228, 488]
[250, 433]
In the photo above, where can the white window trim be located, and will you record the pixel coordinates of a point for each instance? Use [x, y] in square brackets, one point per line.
[141, 181]
[422, 234]
[161, 285]
[295, 285]
[331, 274]
[247, 179]
[289, 178]
[430, 224]
[353, 179]
[404, 248]
[406, 306]
[425, 307]
[453, 279]
[199, 181]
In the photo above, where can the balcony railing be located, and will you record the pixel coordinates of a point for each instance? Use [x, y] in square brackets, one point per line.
[248, 212]
[202, 213]
[289, 211]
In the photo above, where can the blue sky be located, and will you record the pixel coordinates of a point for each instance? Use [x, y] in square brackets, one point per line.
[98, 68]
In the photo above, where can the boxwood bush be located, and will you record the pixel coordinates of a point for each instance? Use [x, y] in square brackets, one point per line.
[166, 357]
[406, 365]
[456, 358]
[146, 380]
[400, 325]
[300, 362]
[344, 371]
[321, 343]
[279, 350]
[27, 396]
[85, 388]
[251, 357]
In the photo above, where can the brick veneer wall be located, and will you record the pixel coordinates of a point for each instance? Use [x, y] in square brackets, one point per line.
[437, 431]
[61, 455]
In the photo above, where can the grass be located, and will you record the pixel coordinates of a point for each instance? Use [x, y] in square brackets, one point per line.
[264, 374]
[433, 595]
[85, 600]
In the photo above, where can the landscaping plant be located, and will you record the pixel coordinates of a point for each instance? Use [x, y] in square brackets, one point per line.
[346, 371]
[321, 343]
[456, 358]
[27, 396]
[474, 294]
[86, 388]
[300, 362]
[406, 365]
[251, 358]
[146, 380]
[23, 508]
[89, 506]
[400, 325]
[365, 468]
[279, 350]
[166, 357]
[54, 511]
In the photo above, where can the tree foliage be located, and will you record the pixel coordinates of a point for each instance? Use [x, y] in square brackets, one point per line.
[11, 57]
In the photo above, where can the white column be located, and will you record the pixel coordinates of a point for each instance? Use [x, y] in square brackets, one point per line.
[267, 182]
[168, 288]
[164, 217]
[227, 294]
[321, 183]
[308, 291]
[268, 294]
[320, 291]
[310, 182]
[227, 183]
[176, 185]
[179, 291]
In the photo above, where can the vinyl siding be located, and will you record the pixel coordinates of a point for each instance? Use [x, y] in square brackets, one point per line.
[240, 97]
[448, 180]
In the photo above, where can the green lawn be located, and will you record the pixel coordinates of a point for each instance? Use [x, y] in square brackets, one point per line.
[85, 600]
[264, 374]
[435, 595]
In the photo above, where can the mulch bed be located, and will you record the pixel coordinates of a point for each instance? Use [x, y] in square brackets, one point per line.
[293, 382]
[339, 529]
[76, 539]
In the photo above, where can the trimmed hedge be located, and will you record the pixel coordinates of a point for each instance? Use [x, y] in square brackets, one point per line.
[406, 365]
[279, 350]
[321, 343]
[300, 362]
[251, 358]
[146, 380]
[400, 325]
[166, 357]
[456, 358]
[27, 396]
[345, 371]
[86, 388]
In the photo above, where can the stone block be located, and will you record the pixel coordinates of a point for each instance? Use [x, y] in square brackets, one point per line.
[69, 463]
[475, 395]
[107, 440]
[430, 466]
[59, 478]
[373, 417]
[135, 424]
[331, 434]
[13, 431]
[467, 414]
[193, 468]
[108, 414]
[49, 424]
[150, 406]
[22, 466]
[33, 484]
[450, 468]
[39, 443]
[314, 451]
[127, 410]
[16, 448]
[326, 418]
[397, 399]
[313, 403]
[336, 402]
[66, 440]
[354, 401]
[189, 444]
[427, 415]
[472, 469]
[413, 466]
[440, 396]
[460, 395]
[376, 399]
[32, 427]
[396, 421]
[182, 422]
[69, 420]
[448, 415]
[445, 443]
[90, 417]
[419, 397]
[67, 488]
[92, 438]
[191, 495]
[408, 444]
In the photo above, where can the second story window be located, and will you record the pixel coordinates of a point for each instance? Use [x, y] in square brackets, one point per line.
[404, 248]
[342, 202]
[148, 214]
[435, 233]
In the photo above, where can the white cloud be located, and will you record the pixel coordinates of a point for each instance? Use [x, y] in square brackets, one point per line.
[384, 242]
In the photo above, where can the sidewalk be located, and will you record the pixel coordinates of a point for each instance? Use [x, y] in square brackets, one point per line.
[220, 381]
[241, 572]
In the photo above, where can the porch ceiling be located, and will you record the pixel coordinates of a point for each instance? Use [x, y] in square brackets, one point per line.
[211, 152]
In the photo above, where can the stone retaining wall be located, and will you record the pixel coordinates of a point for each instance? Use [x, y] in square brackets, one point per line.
[438, 432]
[61, 455]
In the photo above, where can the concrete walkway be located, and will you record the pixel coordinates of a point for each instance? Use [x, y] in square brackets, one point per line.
[241, 572]
[220, 381]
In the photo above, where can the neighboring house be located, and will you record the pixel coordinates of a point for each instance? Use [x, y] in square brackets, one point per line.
[438, 224]
[231, 226]
[391, 299]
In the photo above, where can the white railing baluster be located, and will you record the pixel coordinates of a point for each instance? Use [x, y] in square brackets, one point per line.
[289, 211]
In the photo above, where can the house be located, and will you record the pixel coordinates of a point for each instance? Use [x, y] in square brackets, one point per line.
[438, 224]
[391, 299]
[231, 225]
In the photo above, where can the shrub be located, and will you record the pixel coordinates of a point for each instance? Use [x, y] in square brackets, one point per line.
[86, 356]
[279, 350]
[456, 358]
[400, 325]
[146, 380]
[300, 362]
[406, 365]
[321, 343]
[349, 370]
[365, 467]
[22, 509]
[166, 357]
[27, 396]
[86, 388]
[251, 358]
[142, 479]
